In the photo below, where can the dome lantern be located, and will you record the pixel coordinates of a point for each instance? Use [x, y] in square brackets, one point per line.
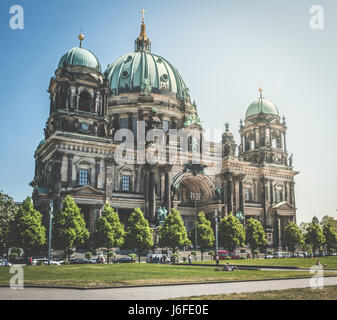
[261, 106]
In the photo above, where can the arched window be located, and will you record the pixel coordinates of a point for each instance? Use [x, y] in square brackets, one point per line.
[85, 102]
[278, 196]
[62, 96]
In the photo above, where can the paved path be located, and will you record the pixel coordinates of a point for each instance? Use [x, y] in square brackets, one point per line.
[157, 292]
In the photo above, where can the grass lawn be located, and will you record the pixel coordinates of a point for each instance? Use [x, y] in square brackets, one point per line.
[327, 293]
[331, 262]
[135, 274]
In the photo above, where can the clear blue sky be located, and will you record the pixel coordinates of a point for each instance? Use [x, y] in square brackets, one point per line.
[224, 50]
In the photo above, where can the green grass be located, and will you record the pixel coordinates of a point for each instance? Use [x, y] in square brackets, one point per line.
[327, 293]
[331, 262]
[135, 274]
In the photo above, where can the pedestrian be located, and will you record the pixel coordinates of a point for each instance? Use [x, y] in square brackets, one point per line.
[102, 260]
[97, 259]
[30, 261]
[217, 259]
[189, 259]
[318, 263]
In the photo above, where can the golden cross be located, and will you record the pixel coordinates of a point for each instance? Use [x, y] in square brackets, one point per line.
[143, 13]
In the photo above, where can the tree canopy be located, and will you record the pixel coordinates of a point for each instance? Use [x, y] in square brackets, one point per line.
[231, 232]
[69, 227]
[205, 234]
[109, 231]
[138, 234]
[255, 235]
[7, 211]
[293, 236]
[26, 229]
[172, 233]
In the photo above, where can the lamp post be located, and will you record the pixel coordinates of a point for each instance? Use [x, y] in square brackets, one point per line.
[216, 232]
[195, 197]
[51, 211]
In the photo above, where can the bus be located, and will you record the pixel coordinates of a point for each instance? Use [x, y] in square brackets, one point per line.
[224, 254]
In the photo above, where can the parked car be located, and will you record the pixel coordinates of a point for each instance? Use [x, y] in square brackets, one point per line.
[45, 262]
[124, 260]
[278, 254]
[78, 261]
[302, 254]
[5, 263]
[268, 256]
[93, 260]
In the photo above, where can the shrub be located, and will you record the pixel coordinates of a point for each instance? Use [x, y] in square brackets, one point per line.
[193, 253]
[13, 256]
[66, 262]
[15, 250]
[212, 254]
[39, 263]
[175, 257]
[133, 256]
[88, 255]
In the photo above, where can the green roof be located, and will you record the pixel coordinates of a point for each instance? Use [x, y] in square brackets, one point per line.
[127, 74]
[261, 106]
[79, 56]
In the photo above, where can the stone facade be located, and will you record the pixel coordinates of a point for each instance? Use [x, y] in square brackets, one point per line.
[78, 156]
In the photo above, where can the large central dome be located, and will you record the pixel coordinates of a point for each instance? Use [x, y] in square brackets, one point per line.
[128, 73]
[132, 71]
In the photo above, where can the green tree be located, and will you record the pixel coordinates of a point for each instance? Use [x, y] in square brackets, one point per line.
[26, 229]
[7, 211]
[69, 228]
[330, 235]
[172, 233]
[231, 233]
[293, 237]
[109, 231]
[205, 234]
[255, 235]
[327, 220]
[138, 234]
[314, 235]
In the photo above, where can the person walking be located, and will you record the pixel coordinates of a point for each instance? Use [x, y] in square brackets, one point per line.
[217, 259]
[189, 259]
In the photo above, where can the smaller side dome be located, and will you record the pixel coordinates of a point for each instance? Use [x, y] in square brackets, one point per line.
[261, 105]
[79, 56]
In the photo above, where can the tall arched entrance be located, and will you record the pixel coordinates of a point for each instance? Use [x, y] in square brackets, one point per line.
[194, 193]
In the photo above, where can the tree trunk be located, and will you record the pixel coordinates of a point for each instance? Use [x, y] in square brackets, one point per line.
[139, 253]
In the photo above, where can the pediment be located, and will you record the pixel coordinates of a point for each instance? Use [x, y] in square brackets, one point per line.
[87, 77]
[87, 191]
[284, 208]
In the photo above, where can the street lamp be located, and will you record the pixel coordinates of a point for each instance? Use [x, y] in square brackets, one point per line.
[195, 197]
[216, 232]
[51, 211]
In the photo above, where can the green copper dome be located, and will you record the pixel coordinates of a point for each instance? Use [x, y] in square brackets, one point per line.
[79, 56]
[136, 70]
[261, 105]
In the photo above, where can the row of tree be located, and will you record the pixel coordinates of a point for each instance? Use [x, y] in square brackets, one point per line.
[21, 226]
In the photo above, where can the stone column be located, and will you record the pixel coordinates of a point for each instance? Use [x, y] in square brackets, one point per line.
[70, 170]
[271, 197]
[57, 166]
[168, 189]
[229, 193]
[152, 196]
[241, 195]
[97, 171]
[108, 177]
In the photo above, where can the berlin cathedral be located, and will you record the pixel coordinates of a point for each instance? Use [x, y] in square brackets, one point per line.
[254, 177]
